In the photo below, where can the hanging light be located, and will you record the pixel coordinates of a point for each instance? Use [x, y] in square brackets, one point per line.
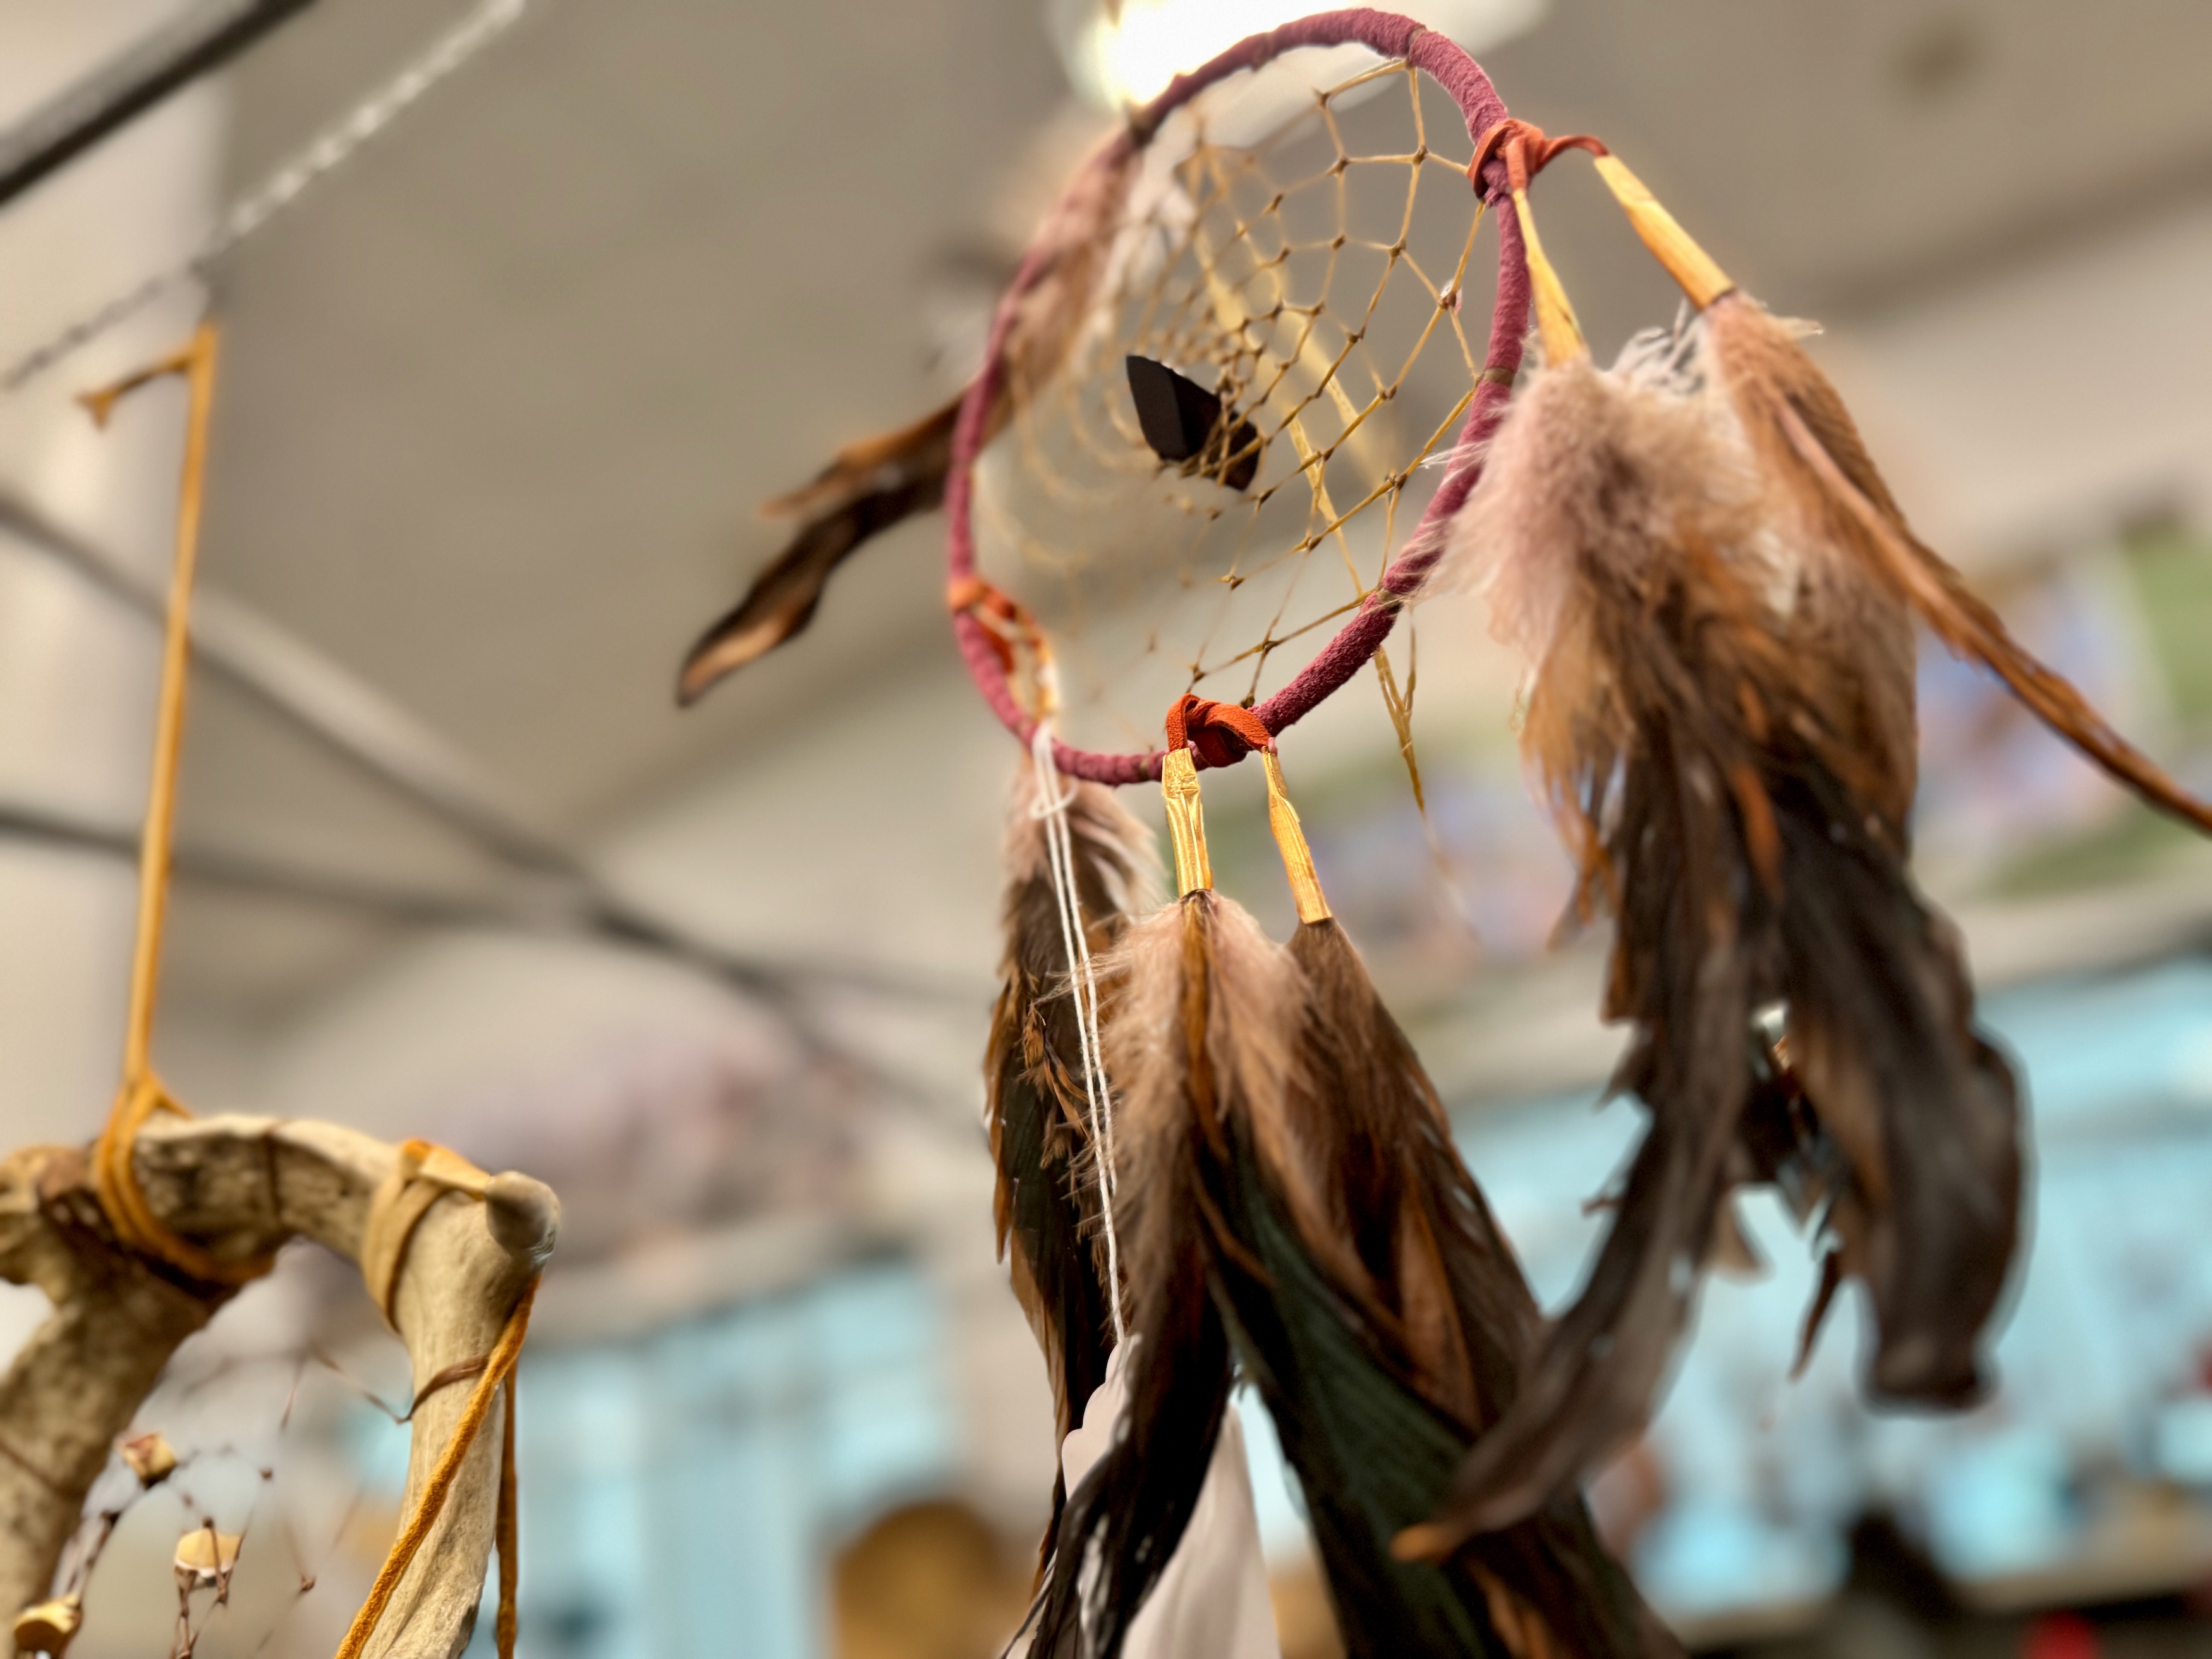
[1118, 55]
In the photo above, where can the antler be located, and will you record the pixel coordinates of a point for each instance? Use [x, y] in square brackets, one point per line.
[241, 1186]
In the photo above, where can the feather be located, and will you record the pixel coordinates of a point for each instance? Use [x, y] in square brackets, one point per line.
[1388, 1327]
[1881, 1033]
[1211, 1601]
[1378, 1309]
[1294, 1198]
[872, 485]
[1195, 1044]
[1842, 509]
[1046, 1204]
[1720, 721]
[1809, 442]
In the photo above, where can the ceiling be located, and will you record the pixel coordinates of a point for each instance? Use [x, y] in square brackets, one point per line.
[500, 399]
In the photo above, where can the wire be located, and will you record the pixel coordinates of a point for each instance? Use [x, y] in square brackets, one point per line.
[131, 82]
[332, 149]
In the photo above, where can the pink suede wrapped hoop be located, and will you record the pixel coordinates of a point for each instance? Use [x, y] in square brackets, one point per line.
[1459, 75]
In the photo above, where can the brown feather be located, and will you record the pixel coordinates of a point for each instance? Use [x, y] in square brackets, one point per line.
[871, 464]
[1388, 1209]
[1046, 1204]
[878, 482]
[870, 486]
[1430, 1281]
[1806, 439]
[1721, 719]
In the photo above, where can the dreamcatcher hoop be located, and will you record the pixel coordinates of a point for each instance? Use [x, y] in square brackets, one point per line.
[1390, 36]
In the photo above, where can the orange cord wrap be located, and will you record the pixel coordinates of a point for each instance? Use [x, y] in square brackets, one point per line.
[1216, 733]
[505, 1535]
[115, 1182]
[1527, 151]
[1004, 618]
[424, 1172]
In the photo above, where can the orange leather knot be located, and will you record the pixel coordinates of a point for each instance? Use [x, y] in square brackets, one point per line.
[1216, 733]
[1527, 151]
[1004, 618]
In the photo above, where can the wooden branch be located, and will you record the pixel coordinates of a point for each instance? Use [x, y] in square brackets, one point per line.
[241, 1186]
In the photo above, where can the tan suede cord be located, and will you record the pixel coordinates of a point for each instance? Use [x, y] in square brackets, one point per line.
[114, 1177]
[498, 1372]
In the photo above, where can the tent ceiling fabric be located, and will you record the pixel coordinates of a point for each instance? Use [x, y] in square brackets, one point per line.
[500, 401]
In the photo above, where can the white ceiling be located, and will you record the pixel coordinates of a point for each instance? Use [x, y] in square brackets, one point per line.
[499, 400]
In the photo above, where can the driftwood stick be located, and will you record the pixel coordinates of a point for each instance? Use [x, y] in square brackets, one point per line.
[241, 1186]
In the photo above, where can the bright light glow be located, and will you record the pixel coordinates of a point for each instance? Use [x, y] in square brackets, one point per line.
[1131, 62]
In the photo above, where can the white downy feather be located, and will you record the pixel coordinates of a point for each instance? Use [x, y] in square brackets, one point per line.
[1212, 1601]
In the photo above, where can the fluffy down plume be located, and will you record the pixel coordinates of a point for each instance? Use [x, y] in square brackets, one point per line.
[1038, 1108]
[1721, 726]
[1198, 1042]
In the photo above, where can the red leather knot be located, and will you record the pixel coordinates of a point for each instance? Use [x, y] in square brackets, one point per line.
[1216, 733]
[1526, 152]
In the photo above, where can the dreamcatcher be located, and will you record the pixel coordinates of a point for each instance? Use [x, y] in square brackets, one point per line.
[1231, 421]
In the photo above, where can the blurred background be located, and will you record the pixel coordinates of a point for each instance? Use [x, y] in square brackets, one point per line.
[499, 402]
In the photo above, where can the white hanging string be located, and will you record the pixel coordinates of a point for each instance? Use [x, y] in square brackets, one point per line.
[1055, 794]
[331, 148]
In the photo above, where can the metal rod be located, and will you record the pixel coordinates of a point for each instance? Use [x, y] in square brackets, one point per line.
[326, 702]
[249, 874]
[351, 719]
[131, 82]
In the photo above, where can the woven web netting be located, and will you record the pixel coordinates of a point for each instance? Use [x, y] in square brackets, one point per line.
[1302, 240]
[285, 1420]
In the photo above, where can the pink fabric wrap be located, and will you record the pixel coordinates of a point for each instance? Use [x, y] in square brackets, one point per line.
[1459, 75]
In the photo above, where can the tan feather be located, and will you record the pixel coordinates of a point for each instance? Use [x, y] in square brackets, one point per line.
[1197, 1048]
[1200, 1036]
